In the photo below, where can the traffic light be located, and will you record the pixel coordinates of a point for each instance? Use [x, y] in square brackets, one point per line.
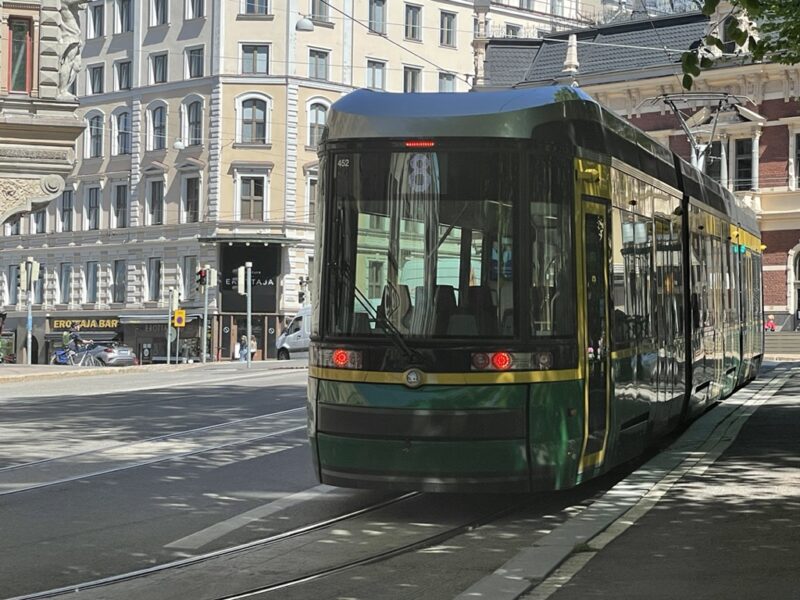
[301, 296]
[202, 278]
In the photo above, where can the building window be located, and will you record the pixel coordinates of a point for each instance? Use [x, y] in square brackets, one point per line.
[97, 17]
[65, 282]
[66, 210]
[251, 203]
[196, 9]
[377, 16]
[191, 199]
[376, 74]
[713, 161]
[318, 64]
[188, 270]
[91, 282]
[158, 121]
[513, 31]
[254, 121]
[194, 62]
[447, 29]
[411, 76]
[313, 181]
[194, 123]
[15, 225]
[124, 20]
[158, 68]
[156, 204]
[93, 208]
[124, 75]
[557, 8]
[256, 7]
[96, 79]
[154, 279]
[120, 280]
[124, 133]
[375, 279]
[96, 136]
[255, 59]
[13, 284]
[317, 115]
[447, 82]
[320, 10]
[413, 22]
[159, 14]
[38, 286]
[20, 55]
[797, 159]
[40, 221]
[743, 165]
[121, 206]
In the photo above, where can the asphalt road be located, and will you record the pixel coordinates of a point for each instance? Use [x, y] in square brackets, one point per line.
[96, 480]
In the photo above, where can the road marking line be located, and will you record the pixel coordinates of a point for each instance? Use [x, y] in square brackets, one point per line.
[218, 530]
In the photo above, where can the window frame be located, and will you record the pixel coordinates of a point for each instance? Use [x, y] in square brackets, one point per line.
[90, 191]
[448, 30]
[157, 141]
[243, 10]
[412, 27]
[191, 55]
[150, 204]
[122, 134]
[416, 74]
[154, 283]
[192, 130]
[240, 118]
[740, 185]
[243, 54]
[185, 213]
[92, 274]
[39, 217]
[154, 21]
[92, 78]
[117, 288]
[94, 141]
[448, 77]
[371, 74]
[238, 181]
[315, 58]
[195, 9]
[124, 16]
[158, 56]
[377, 8]
[315, 129]
[96, 27]
[28, 48]
[118, 75]
[60, 222]
[65, 272]
[116, 223]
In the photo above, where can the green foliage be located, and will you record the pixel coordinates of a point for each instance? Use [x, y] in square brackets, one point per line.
[768, 29]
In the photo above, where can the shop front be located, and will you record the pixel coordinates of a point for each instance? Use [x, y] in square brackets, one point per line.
[147, 335]
[266, 279]
[105, 328]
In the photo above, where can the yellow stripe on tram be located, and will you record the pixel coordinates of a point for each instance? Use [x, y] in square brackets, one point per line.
[492, 378]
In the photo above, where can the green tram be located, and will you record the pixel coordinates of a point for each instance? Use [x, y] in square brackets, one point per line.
[516, 290]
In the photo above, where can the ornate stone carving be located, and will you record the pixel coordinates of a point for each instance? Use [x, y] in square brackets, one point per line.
[52, 185]
[34, 154]
[70, 47]
[17, 195]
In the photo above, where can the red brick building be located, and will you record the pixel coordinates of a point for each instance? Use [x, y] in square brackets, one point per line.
[756, 144]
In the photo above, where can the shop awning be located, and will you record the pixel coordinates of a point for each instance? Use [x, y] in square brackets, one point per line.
[152, 319]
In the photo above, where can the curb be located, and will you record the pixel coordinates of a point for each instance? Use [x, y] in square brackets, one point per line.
[89, 372]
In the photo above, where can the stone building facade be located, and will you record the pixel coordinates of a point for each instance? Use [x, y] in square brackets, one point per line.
[201, 121]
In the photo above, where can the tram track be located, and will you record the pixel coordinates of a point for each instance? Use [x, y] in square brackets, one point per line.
[114, 458]
[201, 558]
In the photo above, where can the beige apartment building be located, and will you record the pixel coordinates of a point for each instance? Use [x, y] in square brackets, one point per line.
[202, 119]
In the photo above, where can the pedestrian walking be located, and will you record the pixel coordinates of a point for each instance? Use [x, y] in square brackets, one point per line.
[243, 349]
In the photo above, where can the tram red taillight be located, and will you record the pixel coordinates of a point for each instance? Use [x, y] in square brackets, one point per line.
[501, 361]
[420, 143]
[340, 358]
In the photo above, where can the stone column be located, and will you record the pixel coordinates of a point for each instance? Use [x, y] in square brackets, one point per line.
[756, 138]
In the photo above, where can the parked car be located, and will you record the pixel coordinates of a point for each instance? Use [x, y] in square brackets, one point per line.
[113, 354]
[295, 338]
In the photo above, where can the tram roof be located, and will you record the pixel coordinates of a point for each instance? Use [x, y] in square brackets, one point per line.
[370, 114]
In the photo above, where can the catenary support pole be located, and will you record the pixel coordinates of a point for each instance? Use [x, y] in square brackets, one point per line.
[169, 323]
[249, 273]
[205, 312]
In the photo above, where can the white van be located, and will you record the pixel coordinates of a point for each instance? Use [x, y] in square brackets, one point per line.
[295, 338]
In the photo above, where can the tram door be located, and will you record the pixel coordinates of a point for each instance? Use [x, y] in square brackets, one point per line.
[596, 253]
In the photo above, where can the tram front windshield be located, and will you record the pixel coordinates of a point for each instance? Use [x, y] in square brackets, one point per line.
[424, 243]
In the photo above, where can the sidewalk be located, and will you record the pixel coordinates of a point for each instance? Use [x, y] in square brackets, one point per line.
[725, 525]
[12, 373]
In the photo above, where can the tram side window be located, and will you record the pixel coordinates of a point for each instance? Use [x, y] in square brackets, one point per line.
[552, 271]
[632, 238]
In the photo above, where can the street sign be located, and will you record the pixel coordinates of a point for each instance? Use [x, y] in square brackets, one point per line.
[173, 334]
[179, 318]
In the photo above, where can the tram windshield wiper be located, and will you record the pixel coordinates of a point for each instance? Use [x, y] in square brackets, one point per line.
[381, 320]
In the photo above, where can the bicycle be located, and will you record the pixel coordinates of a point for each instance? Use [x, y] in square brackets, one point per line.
[82, 358]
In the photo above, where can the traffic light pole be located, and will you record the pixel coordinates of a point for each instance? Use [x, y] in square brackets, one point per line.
[169, 323]
[205, 316]
[29, 273]
[249, 269]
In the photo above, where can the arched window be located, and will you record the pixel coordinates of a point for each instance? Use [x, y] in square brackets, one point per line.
[96, 136]
[194, 124]
[158, 122]
[124, 133]
[317, 115]
[254, 121]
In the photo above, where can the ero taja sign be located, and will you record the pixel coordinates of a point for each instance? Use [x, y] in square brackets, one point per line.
[85, 323]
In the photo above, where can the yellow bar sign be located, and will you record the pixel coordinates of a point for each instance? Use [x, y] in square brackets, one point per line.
[179, 318]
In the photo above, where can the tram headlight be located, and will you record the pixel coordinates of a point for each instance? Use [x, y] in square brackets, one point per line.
[545, 360]
[480, 360]
[511, 361]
